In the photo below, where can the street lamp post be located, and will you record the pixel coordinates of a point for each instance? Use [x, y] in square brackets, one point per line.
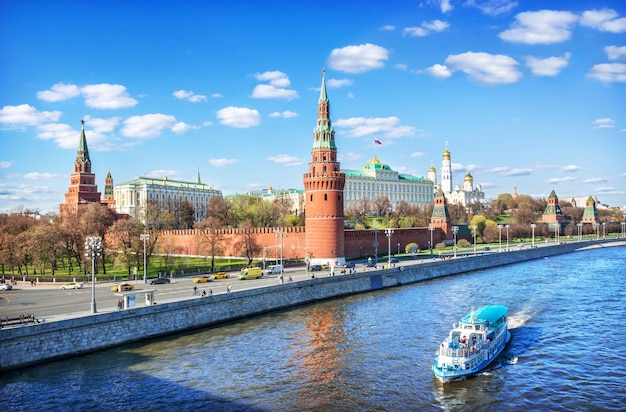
[282, 267]
[389, 233]
[603, 230]
[580, 230]
[455, 230]
[376, 244]
[430, 245]
[143, 238]
[623, 224]
[500, 235]
[398, 247]
[507, 237]
[533, 226]
[474, 227]
[93, 247]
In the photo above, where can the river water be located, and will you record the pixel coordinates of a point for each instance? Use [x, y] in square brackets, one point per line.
[371, 352]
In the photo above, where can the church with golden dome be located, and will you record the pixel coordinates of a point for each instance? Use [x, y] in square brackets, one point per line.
[464, 195]
[377, 179]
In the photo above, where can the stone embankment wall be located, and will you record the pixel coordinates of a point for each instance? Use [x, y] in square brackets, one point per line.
[48, 341]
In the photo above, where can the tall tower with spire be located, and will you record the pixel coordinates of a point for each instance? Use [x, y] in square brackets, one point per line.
[108, 192]
[82, 188]
[323, 186]
[440, 218]
[446, 171]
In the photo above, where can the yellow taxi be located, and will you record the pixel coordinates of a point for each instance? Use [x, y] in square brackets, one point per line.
[221, 275]
[122, 287]
[203, 279]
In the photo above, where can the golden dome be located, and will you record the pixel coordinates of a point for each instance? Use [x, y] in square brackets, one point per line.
[432, 169]
[468, 177]
[374, 161]
[446, 154]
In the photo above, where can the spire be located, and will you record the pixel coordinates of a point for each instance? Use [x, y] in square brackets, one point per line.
[198, 178]
[323, 96]
[323, 135]
[82, 156]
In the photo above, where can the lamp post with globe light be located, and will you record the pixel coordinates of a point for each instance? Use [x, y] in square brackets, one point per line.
[143, 238]
[93, 249]
[388, 233]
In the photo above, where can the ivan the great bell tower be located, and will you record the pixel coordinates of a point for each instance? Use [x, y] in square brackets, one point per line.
[323, 186]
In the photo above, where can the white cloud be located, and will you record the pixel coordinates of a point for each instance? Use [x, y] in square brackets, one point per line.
[609, 72]
[5, 164]
[59, 92]
[223, 162]
[604, 20]
[446, 6]
[550, 66]
[540, 27]
[349, 157]
[400, 66]
[596, 180]
[615, 53]
[239, 117]
[337, 83]
[216, 95]
[418, 154]
[42, 176]
[560, 179]
[99, 125]
[107, 96]
[438, 70]
[164, 172]
[608, 191]
[182, 127]
[148, 125]
[358, 59]
[267, 91]
[492, 7]
[485, 68]
[387, 27]
[287, 160]
[275, 78]
[285, 115]
[388, 127]
[26, 115]
[189, 96]
[603, 123]
[426, 28]
[517, 172]
[62, 134]
[571, 168]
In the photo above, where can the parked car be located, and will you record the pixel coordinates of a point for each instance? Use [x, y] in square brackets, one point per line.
[394, 259]
[122, 287]
[6, 286]
[73, 285]
[159, 281]
[349, 265]
[273, 269]
[203, 279]
[221, 275]
[486, 248]
[315, 268]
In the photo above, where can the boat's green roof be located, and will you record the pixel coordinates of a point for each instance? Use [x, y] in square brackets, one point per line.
[490, 313]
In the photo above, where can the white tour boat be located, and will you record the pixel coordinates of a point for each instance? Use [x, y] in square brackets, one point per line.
[473, 343]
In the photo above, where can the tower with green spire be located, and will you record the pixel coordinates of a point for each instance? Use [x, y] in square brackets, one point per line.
[323, 186]
[590, 215]
[82, 189]
[440, 218]
[553, 213]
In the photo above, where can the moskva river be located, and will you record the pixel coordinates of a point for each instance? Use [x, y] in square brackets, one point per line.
[371, 352]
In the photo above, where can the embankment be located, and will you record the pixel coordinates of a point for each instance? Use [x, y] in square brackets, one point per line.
[38, 343]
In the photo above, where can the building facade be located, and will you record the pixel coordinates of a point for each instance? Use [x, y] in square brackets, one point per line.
[324, 185]
[377, 179]
[463, 195]
[132, 197]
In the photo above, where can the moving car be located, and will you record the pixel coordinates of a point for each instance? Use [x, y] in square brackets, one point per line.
[273, 269]
[6, 286]
[349, 265]
[394, 259]
[159, 281]
[122, 287]
[73, 285]
[221, 275]
[203, 279]
[251, 273]
[315, 268]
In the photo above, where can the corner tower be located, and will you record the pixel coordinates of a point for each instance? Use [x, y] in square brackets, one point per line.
[82, 188]
[323, 186]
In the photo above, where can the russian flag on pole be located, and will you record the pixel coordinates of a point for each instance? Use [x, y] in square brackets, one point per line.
[377, 142]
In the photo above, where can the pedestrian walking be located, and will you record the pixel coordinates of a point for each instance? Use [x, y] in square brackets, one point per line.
[228, 288]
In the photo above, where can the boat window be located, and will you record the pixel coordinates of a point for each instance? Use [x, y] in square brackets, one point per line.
[477, 327]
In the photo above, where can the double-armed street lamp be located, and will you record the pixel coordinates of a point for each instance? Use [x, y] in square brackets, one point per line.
[603, 230]
[455, 230]
[93, 247]
[623, 224]
[580, 230]
[500, 233]
[282, 267]
[143, 238]
[533, 226]
[430, 245]
[507, 237]
[389, 233]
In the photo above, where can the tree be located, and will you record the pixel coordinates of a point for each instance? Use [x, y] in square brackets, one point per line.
[247, 244]
[212, 235]
[219, 210]
[185, 215]
[380, 206]
[124, 239]
[94, 220]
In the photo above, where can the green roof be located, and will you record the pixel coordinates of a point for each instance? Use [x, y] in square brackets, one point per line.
[164, 181]
[489, 313]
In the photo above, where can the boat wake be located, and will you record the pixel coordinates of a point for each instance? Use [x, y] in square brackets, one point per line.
[519, 319]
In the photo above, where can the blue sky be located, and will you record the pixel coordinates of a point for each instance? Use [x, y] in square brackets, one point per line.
[524, 96]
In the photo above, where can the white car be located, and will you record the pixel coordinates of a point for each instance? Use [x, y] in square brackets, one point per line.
[5, 286]
[73, 285]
